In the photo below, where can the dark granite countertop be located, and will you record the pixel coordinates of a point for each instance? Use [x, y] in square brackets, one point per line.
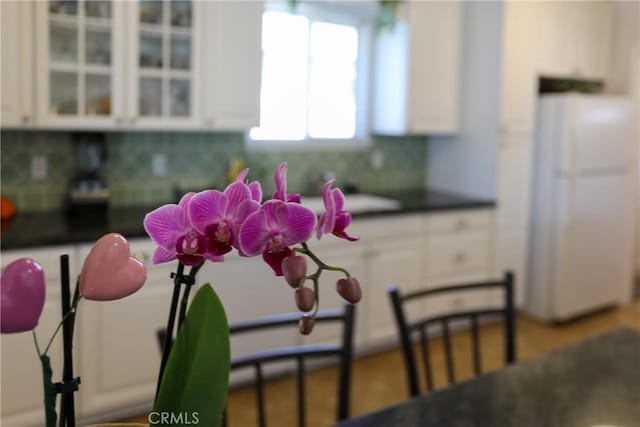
[56, 228]
[593, 383]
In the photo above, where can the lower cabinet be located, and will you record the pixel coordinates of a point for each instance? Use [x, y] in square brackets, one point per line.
[21, 373]
[117, 354]
[120, 356]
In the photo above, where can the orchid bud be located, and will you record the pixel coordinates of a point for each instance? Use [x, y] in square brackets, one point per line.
[306, 324]
[294, 268]
[349, 289]
[305, 298]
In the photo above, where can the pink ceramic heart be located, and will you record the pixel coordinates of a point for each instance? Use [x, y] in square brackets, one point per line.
[22, 292]
[109, 272]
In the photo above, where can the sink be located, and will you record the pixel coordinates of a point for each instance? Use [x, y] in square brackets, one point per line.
[356, 203]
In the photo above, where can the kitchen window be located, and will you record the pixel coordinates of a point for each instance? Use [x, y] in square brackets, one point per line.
[314, 72]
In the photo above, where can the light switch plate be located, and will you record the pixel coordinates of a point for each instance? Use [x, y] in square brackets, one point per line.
[39, 168]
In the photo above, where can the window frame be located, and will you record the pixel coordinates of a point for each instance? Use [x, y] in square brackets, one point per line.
[361, 15]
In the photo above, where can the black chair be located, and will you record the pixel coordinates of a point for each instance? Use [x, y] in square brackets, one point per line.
[420, 326]
[343, 351]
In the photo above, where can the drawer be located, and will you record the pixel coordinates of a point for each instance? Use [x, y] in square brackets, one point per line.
[452, 256]
[459, 222]
[393, 226]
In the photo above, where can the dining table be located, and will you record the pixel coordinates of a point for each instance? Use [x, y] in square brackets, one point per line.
[592, 383]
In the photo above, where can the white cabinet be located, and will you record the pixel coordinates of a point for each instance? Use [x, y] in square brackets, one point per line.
[458, 248]
[162, 63]
[22, 393]
[80, 57]
[120, 356]
[519, 79]
[575, 38]
[232, 63]
[132, 65]
[416, 70]
[17, 63]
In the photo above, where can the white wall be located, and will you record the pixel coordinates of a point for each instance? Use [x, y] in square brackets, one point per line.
[466, 163]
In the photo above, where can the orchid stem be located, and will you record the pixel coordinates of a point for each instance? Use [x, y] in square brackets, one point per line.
[69, 313]
[35, 341]
[305, 250]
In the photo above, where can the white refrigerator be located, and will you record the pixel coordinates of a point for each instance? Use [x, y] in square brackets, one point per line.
[583, 206]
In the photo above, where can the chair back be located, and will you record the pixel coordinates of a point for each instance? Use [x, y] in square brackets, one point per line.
[407, 328]
[343, 351]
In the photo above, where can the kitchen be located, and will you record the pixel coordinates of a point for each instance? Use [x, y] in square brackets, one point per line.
[452, 107]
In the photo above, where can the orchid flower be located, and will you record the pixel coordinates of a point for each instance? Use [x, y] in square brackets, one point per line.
[335, 219]
[280, 178]
[254, 186]
[274, 228]
[169, 227]
[218, 215]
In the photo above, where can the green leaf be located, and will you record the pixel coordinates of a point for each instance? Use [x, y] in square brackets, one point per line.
[196, 379]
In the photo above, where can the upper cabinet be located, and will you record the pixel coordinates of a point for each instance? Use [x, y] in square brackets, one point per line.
[162, 63]
[417, 67]
[79, 57]
[232, 64]
[575, 38]
[17, 63]
[146, 64]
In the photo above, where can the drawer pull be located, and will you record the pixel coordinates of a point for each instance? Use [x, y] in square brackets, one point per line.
[461, 225]
[460, 258]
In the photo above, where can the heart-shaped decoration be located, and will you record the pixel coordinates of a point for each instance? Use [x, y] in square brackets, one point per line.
[109, 272]
[22, 292]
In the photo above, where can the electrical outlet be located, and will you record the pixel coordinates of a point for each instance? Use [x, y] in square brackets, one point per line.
[159, 164]
[377, 160]
[39, 168]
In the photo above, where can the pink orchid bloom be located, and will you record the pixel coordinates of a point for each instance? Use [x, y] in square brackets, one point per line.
[274, 228]
[280, 179]
[218, 215]
[335, 219]
[169, 227]
[254, 186]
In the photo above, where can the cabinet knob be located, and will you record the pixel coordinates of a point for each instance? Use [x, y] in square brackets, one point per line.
[461, 225]
[460, 258]
[211, 121]
[25, 119]
[142, 256]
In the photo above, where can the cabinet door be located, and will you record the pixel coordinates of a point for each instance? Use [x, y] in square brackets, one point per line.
[511, 255]
[353, 261]
[117, 340]
[514, 180]
[17, 63]
[519, 79]
[163, 64]
[79, 48]
[591, 39]
[231, 81]
[435, 46]
[391, 263]
[248, 289]
[22, 393]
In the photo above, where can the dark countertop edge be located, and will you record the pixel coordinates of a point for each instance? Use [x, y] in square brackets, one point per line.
[413, 202]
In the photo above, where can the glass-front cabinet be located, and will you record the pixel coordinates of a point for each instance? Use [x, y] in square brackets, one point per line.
[116, 64]
[81, 64]
[163, 68]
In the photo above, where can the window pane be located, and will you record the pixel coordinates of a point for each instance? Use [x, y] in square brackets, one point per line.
[151, 11]
[180, 97]
[98, 93]
[150, 50]
[181, 13]
[98, 46]
[63, 42]
[98, 8]
[332, 97]
[283, 96]
[150, 97]
[63, 93]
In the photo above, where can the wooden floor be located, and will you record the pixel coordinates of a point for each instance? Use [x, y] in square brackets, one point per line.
[379, 380]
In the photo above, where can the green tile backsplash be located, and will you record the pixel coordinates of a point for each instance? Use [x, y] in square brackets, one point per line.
[195, 161]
